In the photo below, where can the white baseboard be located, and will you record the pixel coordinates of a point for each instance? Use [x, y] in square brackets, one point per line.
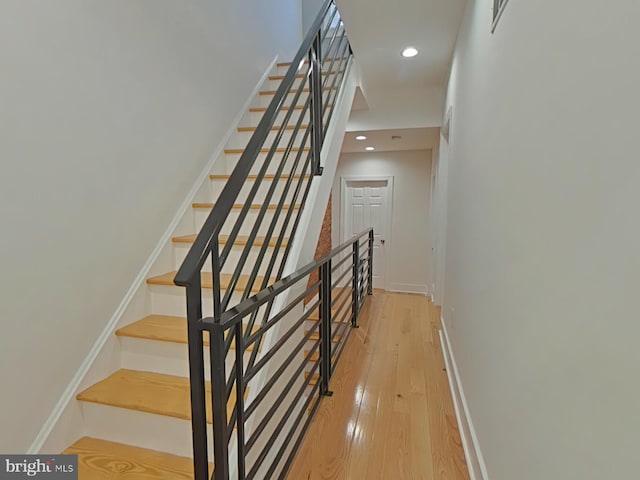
[472, 453]
[69, 393]
[409, 288]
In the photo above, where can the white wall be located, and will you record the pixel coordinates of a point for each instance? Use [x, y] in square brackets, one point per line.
[439, 221]
[417, 107]
[108, 112]
[406, 252]
[310, 10]
[542, 262]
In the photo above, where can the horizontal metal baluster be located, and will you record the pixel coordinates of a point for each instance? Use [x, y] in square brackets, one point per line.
[271, 323]
[262, 456]
[336, 266]
[274, 407]
[340, 277]
[269, 385]
[345, 293]
[278, 345]
[286, 444]
[341, 307]
[296, 445]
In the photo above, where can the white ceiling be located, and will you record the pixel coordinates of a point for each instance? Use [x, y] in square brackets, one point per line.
[397, 92]
[379, 30]
[383, 141]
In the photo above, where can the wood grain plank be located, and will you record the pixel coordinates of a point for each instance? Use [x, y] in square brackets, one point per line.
[303, 126]
[238, 206]
[166, 279]
[241, 240]
[238, 151]
[165, 328]
[268, 176]
[391, 415]
[104, 460]
[149, 392]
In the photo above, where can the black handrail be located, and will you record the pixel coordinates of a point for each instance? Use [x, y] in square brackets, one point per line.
[287, 405]
[197, 256]
[326, 44]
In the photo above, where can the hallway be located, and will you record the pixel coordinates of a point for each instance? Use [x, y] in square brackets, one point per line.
[391, 415]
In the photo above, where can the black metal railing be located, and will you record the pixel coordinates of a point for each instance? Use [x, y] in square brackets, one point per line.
[310, 338]
[273, 176]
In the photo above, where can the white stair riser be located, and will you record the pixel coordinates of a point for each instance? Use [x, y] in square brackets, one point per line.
[180, 251]
[275, 84]
[264, 98]
[282, 70]
[167, 300]
[330, 74]
[274, 164]
[254, 117]
[266, 184]
[240, 139]
[139, 429]
[201, 214]
[164, 357]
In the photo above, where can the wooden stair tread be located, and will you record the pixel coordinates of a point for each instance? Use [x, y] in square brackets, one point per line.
[268, 176]
[326, 60]
[241, 240]
[293, 91]
[314, 358]
[104, 460]
[166, 279]
[301, 75]
[314, 380]
[284, 107]
[240, 151]
[316, 337]
[238, 206]
[303, 126]
[156, 393]
[164, 328]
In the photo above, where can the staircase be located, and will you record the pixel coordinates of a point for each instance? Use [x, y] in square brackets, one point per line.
[192, 381]
[137, 420]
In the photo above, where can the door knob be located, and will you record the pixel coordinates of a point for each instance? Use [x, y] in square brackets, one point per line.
[382, 241]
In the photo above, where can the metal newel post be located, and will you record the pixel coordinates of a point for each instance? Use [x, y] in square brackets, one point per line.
[370, 286]
[355, 300]
[240, 400]
[325, 328]
[219, 402]
[196, 374]
[315, 58]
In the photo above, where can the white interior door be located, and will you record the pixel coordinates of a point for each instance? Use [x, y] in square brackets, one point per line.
[366, 204]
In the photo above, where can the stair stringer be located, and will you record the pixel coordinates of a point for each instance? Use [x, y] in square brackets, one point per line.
[302, 252]
[65, 423]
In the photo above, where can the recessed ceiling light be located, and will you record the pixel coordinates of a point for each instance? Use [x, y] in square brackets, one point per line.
[369, 149]
[361, 137]
[409, 52]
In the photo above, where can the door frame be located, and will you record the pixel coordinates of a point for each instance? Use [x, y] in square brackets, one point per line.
[389, 213]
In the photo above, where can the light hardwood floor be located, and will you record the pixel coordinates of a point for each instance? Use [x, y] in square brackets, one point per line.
[391, 415]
